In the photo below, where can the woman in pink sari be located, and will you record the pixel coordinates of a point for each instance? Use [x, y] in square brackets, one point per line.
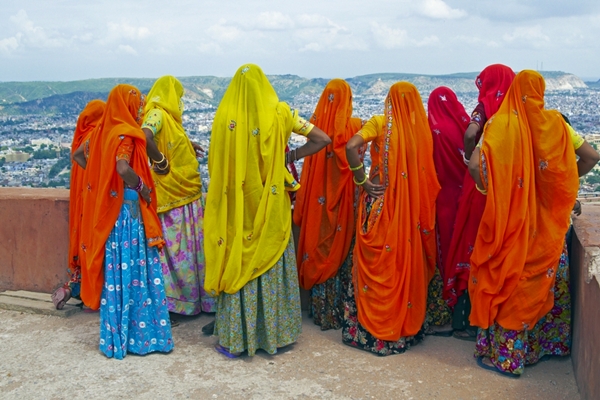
[448, 121]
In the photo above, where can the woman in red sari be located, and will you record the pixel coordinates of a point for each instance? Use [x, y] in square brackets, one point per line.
[395, 253]
[493, 83]
[325, 205]
[448, 121]
[526, 167]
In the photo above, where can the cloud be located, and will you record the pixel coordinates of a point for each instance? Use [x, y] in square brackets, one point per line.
[438, 9]
[29, 35]
[529, 35]
[223, 31]
[273, 21]
[9, 45]
[318, 33]
[117, 32]
[127, 49]
[391, 38]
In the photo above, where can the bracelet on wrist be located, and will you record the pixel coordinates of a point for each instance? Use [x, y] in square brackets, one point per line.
[360, 166]
[165, 167]
[465, 159]
[361, 182]
[482, 191]
[140, 185]
[161, 160]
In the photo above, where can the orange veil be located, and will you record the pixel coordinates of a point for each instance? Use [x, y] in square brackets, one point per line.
[87, 121]
[528, 159]
[394, 259]
[104, 188]
[324, 207]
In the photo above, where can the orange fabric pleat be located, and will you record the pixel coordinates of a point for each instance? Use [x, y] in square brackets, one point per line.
[87, 121]
[394, 259]
[103, 187]
[324, 207]
[532, 184]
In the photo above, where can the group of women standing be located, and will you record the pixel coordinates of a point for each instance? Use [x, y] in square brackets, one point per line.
[457, 229]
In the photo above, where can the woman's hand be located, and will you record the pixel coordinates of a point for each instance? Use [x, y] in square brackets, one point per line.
[372, 189]
[145, 193]
[577, 208]
[198, 149]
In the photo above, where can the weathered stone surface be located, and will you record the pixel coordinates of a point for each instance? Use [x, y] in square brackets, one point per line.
[35, 303]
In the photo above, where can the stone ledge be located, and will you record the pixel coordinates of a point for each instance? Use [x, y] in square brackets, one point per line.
[36, 303]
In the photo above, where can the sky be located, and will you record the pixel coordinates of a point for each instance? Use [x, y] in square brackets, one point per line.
[82, 39]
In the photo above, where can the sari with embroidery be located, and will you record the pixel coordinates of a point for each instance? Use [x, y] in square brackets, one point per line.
[493, 83]
[448, 121]
[86, 123]
[103, 187]
[324, 207]
[395, 252]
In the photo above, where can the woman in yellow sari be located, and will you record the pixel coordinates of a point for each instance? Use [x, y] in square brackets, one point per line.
[250, 259]
[519, 290]
[180, 202]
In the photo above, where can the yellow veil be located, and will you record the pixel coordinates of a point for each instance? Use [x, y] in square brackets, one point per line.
[182, 184]
[248, 216]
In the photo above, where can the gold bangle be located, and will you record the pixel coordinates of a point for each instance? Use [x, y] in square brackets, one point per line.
[360, 183]
[158, 162]
[482, 191]
[162, 169]
[357, 167]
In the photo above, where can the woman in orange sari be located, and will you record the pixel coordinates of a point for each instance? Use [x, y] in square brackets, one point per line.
[325, 205]
[395, 253]
[493, 83]
[120, 266]
[526, 167]
[87, 121]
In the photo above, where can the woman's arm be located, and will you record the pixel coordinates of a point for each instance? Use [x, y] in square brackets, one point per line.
[317, 140]
[588, 158]
[469, 139]
[355, 143]
[162, 167]
[79, 157]
[474, 168]
[132, 179]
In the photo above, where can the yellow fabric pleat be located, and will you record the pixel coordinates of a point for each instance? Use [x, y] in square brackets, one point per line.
[182, 184]
[248, 211]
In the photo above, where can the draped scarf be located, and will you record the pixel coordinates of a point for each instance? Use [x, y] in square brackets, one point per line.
[182, 184]
[394, 259]
[248, 211]
[528, 160]
[87, 121]
[104, 188]
[324, 207]
[448, 121]
[493, 83]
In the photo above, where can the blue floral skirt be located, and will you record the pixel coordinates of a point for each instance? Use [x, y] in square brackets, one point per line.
[133, 308]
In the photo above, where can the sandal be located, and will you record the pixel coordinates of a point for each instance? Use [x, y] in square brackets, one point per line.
[466, 334]
[60, 297]
[493, 368]
[225, 351]
[432, 332]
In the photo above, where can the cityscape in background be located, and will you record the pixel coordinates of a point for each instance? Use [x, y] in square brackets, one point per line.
[35, 148]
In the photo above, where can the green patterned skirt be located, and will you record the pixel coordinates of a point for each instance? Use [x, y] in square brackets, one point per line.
[265, 313]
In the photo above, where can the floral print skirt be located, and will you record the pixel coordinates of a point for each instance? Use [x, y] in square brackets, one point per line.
[354, 334]
[182, 259]
[438, 311]
[511, 350]
[326, 304]
[265, 313]
[133, 308]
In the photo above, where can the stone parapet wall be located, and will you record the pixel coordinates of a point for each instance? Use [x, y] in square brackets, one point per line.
[34, 238]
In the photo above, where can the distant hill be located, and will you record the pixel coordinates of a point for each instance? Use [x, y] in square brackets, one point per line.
[17, 98]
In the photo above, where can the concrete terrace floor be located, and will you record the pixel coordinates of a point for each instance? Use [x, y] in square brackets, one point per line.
[46, 357]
